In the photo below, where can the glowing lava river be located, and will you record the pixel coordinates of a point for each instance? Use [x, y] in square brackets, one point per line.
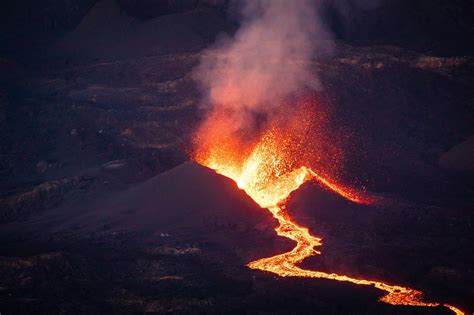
[268, 177]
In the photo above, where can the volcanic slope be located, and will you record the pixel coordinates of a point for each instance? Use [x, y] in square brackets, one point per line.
[189, 200]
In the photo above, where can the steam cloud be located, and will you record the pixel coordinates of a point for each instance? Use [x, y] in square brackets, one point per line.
[266, 60]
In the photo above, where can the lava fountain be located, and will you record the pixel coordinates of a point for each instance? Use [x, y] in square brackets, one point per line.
[269, 168]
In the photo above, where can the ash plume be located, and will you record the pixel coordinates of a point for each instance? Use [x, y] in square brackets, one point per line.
[265, 61]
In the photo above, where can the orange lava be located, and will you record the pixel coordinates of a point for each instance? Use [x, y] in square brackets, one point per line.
[268, 172]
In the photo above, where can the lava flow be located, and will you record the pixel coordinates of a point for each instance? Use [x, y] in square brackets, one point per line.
[268, 173]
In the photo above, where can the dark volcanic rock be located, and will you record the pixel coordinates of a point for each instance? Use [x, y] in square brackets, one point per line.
[379, 241]
[42, 196]
[460, 157]
[190, 201]
[178, 241]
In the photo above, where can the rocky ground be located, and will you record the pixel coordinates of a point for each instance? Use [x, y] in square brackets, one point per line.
[87, 131]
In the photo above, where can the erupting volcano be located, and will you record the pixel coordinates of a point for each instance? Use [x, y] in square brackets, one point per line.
[269, 168]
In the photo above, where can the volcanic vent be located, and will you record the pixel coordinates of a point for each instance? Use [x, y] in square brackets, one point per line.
[269, 169]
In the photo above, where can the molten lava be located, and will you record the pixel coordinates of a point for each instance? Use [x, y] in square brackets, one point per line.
[268, 172]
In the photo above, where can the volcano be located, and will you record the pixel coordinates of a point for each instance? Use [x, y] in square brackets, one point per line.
[309, 157]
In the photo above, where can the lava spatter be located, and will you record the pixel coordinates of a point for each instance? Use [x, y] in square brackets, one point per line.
[267, 173]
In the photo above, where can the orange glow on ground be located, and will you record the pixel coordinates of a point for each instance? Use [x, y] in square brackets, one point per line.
[267, 170]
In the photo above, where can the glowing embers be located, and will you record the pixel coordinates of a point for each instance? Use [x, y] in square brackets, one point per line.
[268, 169]
[268, 164]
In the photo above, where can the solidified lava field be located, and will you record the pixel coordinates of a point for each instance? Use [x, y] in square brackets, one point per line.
[104, 210]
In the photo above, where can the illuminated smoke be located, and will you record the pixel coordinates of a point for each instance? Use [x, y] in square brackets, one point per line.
[265, 61]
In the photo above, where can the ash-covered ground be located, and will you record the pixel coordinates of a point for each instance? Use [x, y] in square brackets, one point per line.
[102, 212]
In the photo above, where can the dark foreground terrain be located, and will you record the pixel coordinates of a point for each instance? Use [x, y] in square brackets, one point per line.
[101, 210]
[179, 242]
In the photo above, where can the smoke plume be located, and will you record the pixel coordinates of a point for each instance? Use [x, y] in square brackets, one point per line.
[266, 60]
